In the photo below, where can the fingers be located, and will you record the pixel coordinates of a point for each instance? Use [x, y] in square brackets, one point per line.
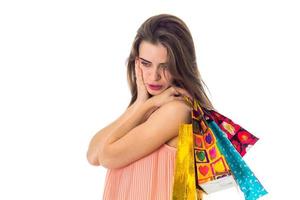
[173, 91]
[179, 98]
[136, 69]
[181, 91]
[138, 73]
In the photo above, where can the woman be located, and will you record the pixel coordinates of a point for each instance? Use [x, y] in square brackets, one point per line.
[139, 148]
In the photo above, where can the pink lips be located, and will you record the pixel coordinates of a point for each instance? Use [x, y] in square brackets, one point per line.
[155, 87]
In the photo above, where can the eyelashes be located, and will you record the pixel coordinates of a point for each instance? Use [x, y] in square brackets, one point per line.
[148, 65]
[145, 64]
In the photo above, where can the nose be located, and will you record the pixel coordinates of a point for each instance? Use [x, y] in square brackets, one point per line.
[156, 74]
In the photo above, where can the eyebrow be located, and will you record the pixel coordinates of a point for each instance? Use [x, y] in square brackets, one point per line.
[149, 61]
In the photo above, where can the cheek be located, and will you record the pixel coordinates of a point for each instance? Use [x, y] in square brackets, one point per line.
[145, 73]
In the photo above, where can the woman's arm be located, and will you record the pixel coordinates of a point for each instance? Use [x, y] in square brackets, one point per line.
[147, 137]
[133, 116]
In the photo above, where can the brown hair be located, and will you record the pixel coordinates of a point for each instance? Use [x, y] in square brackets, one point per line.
[174, 35]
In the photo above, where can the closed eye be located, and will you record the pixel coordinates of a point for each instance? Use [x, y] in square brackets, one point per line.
[145, 64]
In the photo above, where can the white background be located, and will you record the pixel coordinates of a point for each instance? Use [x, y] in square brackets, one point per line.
[63, 78]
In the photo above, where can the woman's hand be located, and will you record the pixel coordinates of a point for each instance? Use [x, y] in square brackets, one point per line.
[142, 93]
[170, 94]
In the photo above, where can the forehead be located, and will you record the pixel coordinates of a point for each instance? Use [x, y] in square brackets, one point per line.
[155, 53]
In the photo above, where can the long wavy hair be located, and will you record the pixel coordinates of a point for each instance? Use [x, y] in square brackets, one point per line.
[174, 35]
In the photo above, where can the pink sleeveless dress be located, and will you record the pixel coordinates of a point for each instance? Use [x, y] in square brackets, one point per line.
[149, 178]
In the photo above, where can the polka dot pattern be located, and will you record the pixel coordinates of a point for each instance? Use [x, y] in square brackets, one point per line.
[245, 178]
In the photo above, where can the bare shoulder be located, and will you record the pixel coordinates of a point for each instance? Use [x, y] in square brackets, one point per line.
[174, 110]
[171, 116]
[177, 105]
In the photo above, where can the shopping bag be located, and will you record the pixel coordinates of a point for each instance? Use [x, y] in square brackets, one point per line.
[241, 139]
[207, 151]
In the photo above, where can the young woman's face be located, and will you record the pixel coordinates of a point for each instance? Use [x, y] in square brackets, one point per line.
[153, 62]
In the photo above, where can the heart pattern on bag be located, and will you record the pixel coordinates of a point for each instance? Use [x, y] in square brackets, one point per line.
[203, 170]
